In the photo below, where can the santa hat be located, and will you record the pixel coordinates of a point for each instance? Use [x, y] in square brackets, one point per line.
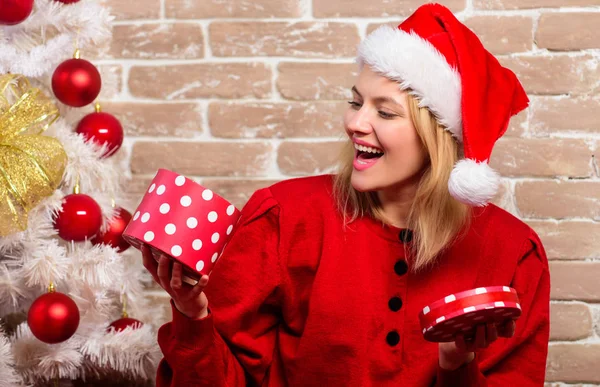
[449, 71]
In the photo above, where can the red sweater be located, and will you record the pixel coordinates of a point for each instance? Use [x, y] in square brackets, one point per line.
[297, 300]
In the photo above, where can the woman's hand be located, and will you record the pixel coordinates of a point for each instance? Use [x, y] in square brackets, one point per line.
[189, 300]
[454, 354]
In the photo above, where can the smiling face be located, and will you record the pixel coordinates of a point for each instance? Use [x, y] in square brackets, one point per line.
[389, 153]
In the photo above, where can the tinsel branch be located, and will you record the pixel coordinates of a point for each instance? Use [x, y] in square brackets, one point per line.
[8, 376]
[28, 49]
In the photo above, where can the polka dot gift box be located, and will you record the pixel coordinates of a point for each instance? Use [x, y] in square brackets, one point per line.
[185, 221]
[459, 313]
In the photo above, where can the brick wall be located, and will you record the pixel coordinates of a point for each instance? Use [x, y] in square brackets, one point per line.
[240, 94]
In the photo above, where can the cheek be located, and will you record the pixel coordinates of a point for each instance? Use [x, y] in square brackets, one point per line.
[404, 145]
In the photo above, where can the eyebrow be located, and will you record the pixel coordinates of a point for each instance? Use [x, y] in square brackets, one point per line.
[380, 98]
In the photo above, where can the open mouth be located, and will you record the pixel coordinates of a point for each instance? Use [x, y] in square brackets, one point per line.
[367, 154]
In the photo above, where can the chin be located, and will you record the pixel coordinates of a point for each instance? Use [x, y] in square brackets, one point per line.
[362, 184]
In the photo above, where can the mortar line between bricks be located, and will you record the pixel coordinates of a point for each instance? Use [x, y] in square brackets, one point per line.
[366, 19]
[559, 221]
[307, 11]
[162, 13]
[275, 59]
[534, 28]
[588, 340]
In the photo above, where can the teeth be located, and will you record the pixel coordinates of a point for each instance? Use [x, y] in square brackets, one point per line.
[367, 149]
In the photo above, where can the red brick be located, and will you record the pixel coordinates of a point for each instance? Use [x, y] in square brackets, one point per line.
[205, 80]
[309, 81]
[158, 40]
[550, 115]
[137, 185]
[570, 321]
[157, 119]
[518, 124]
[526, 4]
[133, 9]
[375, 8]
[542, 157]
[503, 34]
[201, 158]
[573, 363]
[556, 74]
[568, 239]
[306, 158]
[568, 31]
[300, 39]
[208, 9]
[575, 280]
[558, 199]
[280, 120]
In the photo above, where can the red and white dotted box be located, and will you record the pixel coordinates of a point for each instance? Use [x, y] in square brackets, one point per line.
[460, 313]
[184, 220]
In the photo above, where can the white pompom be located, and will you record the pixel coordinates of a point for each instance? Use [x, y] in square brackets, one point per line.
[473, 183]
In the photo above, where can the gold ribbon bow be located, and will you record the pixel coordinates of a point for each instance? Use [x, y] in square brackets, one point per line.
[31, 165]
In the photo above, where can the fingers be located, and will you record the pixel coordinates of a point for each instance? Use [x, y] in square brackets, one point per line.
[480, 337]
[199, 287]
[460, 342]
[176, 283]
[507, 329]
[491, 333]
[149, 262]
[164, 273]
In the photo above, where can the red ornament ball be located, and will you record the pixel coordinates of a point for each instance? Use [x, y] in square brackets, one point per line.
[102, 128]
[53, 317]
[15, 11]
[122, 323]
[114, 234]
[67, 1]
[80, 218]
[76, 82]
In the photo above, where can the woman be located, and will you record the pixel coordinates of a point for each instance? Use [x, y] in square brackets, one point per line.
[322, 282]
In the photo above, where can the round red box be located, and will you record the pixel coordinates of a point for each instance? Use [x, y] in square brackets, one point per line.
[460, 313]
[183, 220]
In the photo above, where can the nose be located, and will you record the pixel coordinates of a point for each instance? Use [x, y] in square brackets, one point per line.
[359, 121]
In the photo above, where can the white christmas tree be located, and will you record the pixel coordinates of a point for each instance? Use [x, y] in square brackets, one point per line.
[46, 158]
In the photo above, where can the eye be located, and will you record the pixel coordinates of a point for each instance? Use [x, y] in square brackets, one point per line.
[354, 104]
[385, 115]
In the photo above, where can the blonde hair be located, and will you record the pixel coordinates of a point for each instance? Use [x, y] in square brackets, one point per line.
[435, 217]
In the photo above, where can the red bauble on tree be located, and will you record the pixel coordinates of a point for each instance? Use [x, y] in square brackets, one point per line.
[76, 82]
[124, 322]
[103, 129]
[53, 317]
[80, 218]
[15, 11]
[113, 236]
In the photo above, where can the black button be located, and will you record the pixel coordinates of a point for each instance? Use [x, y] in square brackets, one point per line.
[393, 338]
[405, 235]
[401, 267]
[395, 304]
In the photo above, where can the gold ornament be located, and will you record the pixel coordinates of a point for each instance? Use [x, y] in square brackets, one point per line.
[31, 165]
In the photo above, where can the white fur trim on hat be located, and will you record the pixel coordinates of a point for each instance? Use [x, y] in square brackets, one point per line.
[416, 64]
[473, 183]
